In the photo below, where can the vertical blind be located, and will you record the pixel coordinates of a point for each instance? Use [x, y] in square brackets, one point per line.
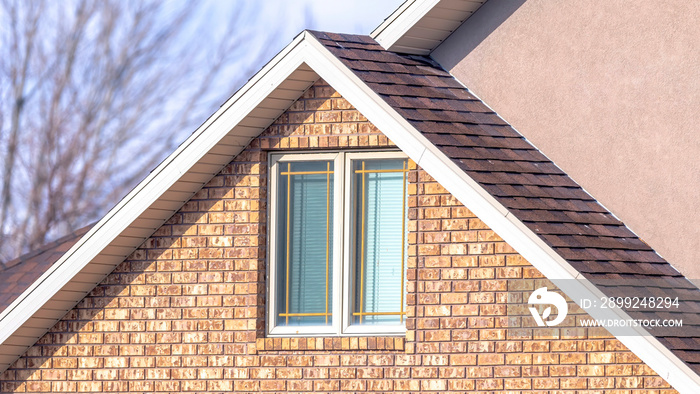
[304, 243]
[379, 241]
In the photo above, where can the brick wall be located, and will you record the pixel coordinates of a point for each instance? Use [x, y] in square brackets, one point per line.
[185, 312]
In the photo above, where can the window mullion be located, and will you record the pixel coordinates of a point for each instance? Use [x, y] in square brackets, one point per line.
[339, 252]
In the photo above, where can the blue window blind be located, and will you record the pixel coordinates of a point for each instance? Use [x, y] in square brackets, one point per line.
[379, 192]
[304, 243]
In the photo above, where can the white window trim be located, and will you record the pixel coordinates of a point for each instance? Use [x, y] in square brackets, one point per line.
[341, 260]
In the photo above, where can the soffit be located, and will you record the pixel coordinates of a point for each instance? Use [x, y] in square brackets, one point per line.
[419, 26]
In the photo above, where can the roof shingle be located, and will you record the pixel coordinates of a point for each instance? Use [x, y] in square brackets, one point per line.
[17, 275]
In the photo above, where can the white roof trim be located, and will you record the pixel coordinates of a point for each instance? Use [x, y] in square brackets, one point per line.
[398, 23]
[419, 26]
[304, 51]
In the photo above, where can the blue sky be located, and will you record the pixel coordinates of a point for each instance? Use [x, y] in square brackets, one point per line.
[289, 17]
[267, 27]
[270, 25]
[351, 16]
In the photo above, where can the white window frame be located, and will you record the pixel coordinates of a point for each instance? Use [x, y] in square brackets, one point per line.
[342, 250]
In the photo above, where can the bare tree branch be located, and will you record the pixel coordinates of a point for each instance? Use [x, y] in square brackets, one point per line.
[97, 92]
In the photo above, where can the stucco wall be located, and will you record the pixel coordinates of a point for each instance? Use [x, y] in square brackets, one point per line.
[607, 89]
[186, 311]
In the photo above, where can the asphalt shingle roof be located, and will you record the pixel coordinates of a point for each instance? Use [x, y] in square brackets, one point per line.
[527, 183]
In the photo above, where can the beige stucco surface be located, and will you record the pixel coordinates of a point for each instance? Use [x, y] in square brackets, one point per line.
[610, 91]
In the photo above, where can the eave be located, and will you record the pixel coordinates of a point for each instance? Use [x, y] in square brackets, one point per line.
[419, 26]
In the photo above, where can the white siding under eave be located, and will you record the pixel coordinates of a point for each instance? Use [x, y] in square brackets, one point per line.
[421, 26]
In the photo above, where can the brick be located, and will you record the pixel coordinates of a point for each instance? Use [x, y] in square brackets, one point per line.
[601, 383]
[518, 359]
[562, 370]
[630, 382]
[425, 372]
[481, 347]
[601, 358]
[509, 347]
[545, 358]
[536, 346]
[627, 358]
[490, 359]
[564, 346]
[535, 370]
[573, 358]
[479, 372]
[655, 382]
[518, 384]
[573, 383]
[454, 298]
[434, 385]
[489, 384]
[545, 383]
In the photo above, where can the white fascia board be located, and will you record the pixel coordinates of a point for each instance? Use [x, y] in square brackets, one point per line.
[493, 213]
[391, 18]
[401, 21]
[156, 183]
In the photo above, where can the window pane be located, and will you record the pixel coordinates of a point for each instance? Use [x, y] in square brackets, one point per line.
[304, 243]
[379, 221]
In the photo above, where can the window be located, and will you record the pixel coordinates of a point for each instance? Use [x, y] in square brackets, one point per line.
[337, 260]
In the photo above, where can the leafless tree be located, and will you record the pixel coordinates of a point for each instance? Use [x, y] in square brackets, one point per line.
[94, 93]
